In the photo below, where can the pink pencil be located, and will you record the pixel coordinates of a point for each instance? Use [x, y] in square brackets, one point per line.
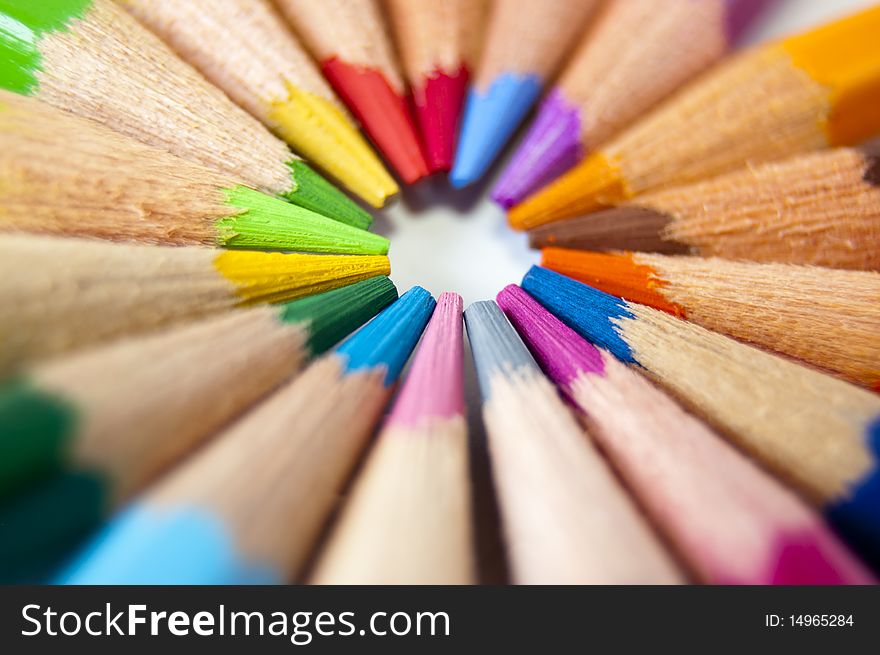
[729, 520]
[408, 519]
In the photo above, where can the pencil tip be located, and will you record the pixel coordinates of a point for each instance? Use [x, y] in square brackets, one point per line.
[315, 193]
[593, 314]
[383, 113]
[434, 388]
[438, 107]
[490, 118]
[388, 339]
[264, 222]
[561, 352]
[332, 315]
[495, 345]
[551, 147]
[594, 183]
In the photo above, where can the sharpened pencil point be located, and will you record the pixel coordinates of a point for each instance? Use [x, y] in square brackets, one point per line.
[382, 112]
[490, 118]
[589, 312]
[438, 107]
[551, 147]
[389, 338]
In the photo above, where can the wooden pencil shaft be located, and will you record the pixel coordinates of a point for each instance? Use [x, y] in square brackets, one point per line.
[177, 110]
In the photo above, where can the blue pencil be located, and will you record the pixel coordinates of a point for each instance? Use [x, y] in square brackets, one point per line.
[525, 45]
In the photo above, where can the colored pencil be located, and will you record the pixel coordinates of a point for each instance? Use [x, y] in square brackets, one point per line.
[439, 42]
[821, 88]
[525, 45]
[249, 507]
[57, 295]
[818, 432]
[349, 40]
[822, 208]
[565, 516]
[729, 520]
[73, 177]
[91, 58]
[825, 317]
[408, 519]
[81, 435]
[638, 53]
[245, 48]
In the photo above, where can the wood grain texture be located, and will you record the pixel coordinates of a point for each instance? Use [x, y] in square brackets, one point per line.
[65, 175]
[527, 37]
[407, 519]
[636, 54]
[829, 318]
[437, 35]
[109, 68]
[145, 402]
[351, 30]
[304, 441]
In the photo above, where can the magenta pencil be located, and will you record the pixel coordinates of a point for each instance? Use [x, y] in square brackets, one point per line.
[729, 520]
[638, 53]
[408, 519]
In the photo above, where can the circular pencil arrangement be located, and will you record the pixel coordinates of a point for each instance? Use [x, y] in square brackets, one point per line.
[199, 340]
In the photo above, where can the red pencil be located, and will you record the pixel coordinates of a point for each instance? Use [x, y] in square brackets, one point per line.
[349, 40]
[438, 41]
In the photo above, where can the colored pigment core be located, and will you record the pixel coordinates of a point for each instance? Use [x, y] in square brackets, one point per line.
[38, 528]
[323, 134]
[594, 183]
[269, 223]
[843, 57]
[35, 429]
[558, 349]
[589, 312]
[738, 15]
[22, 25]
[387, 341]
[275, 277]
[382, 112]
[438, 106]
[857, 518]
[619, 275]
[434, 387]
[335, 314]
[495, 345]
[872, 168]
[159, 545]
[490, 118]
[798, 560]
[551, 147]
[313, 192]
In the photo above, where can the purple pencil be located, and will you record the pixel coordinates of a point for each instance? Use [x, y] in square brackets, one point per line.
[638, 53]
